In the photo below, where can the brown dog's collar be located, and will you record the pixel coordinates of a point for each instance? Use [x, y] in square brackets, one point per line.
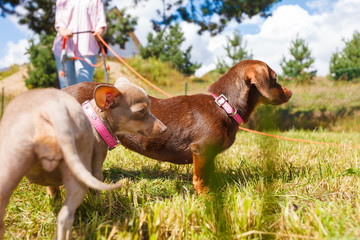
[222, 101]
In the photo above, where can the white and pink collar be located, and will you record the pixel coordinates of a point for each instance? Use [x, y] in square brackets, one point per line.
[222, 101]
[99, 126]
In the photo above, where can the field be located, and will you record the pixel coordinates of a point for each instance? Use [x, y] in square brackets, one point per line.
[266, 188]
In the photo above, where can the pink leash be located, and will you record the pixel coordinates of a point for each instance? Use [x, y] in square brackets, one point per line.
[99, 126]
[223, 102]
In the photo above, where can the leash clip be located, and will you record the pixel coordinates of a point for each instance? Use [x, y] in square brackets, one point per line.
[117, 142]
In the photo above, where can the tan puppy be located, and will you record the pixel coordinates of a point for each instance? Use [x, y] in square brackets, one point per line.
[46, 136]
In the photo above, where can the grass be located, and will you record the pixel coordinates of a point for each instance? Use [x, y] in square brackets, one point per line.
[323, 104]
[269, 189]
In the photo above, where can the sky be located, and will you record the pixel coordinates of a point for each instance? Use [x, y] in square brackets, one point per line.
[324, 24]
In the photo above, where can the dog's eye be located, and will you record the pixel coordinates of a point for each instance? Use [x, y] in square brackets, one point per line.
[140, 113]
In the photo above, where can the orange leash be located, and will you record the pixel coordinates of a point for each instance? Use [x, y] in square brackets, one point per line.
[81, 59]
[241, 128]
[93, 65]
[298, 140]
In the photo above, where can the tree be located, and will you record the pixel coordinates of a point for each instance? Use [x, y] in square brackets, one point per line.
[119, 25]
[165, 46]
[235, 50]
[42, 71]
[346, 64]
[297, 67]
[203, 12]
[40, 17]
[8, 6]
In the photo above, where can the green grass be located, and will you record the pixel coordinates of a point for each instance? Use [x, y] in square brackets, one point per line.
[269, 189]
[324, 104]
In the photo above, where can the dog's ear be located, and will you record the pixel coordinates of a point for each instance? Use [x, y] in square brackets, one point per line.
[104, 96]
[261, 79]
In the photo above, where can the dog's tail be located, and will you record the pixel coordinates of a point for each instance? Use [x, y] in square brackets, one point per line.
[67, 144]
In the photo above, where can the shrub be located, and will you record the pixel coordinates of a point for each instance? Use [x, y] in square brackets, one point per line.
[156, 71]
[42, 70]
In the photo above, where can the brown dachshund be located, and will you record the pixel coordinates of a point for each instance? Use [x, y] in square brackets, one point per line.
[197, 128]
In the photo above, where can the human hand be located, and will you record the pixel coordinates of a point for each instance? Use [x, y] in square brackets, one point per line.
[65, 32]
[100, 31]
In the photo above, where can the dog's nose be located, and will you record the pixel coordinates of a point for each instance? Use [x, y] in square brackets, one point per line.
[162, 127]
[287, 92]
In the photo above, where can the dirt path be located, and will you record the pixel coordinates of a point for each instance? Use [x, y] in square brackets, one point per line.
[15, 84]
[117, 70]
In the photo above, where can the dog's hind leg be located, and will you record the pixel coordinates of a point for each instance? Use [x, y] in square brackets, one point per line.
[75, 193]
[10, 176]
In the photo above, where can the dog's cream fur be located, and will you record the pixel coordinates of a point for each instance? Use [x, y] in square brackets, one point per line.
[46, 136]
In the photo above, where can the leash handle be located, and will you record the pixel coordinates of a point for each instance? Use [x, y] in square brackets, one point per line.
[64, 42]
[89, 31]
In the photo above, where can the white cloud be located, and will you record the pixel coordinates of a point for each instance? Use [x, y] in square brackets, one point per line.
[323, 26]
[322, 31]
[15, 20]
[15, 53]
[145, 11]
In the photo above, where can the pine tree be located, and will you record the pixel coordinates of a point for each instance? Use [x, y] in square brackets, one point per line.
[166, 46]
[298, 66]
[235, 50]
[346, 64]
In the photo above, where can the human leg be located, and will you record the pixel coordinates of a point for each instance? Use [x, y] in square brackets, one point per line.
[85, 72]
[70, 77]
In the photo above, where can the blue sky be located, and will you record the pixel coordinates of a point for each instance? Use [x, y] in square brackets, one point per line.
[322, 23]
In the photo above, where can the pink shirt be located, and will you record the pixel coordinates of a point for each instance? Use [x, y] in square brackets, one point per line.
[79, 15]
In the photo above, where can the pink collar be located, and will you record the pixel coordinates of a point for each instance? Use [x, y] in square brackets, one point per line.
[223, 102]
[99, 126]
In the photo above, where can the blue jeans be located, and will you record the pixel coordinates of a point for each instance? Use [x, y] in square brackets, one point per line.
[76, 71]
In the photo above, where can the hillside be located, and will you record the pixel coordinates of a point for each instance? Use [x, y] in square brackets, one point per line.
[15, 84]
[323, 104]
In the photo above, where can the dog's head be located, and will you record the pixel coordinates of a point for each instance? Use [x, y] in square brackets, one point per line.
[260, 75]
[127, 109]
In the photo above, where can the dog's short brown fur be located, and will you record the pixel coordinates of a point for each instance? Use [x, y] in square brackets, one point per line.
[198, 129]
[46, 136]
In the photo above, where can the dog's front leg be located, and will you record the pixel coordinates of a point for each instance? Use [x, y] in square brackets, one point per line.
[98, 157]
[203, 168]
[53, 192]
[199, 174]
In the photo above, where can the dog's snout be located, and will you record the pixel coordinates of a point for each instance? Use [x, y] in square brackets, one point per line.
[287, 92]
[162, 127]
